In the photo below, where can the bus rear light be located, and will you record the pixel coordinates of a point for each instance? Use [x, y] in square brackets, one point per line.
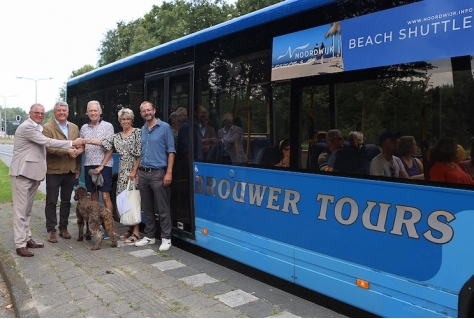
[205, 231]
[362, 283]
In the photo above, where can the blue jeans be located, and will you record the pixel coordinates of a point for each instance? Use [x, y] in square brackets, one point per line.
[151, 189]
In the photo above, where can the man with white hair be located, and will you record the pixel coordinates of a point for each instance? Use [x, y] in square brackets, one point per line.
[96, 157]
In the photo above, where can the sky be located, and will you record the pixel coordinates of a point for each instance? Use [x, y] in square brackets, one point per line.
[50, 39]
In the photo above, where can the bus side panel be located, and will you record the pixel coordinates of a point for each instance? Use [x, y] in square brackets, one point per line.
[386, 294]
[412, 231]
[250, 249]
[335, 278]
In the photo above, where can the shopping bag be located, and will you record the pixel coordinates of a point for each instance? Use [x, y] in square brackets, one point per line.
[133, 215]
[122, 203]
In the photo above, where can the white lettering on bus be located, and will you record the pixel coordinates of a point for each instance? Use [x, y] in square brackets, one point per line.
[381, 218]
[345, 210]
[443, 228]
[379, 38]
[405, 216]
[254, 194]
[435, 27]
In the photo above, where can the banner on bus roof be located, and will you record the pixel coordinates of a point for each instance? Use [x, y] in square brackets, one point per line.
[427, 30]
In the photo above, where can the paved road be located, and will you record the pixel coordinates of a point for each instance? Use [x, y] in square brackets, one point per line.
[67, 279]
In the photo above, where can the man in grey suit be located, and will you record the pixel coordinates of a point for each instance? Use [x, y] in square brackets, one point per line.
[27, 170]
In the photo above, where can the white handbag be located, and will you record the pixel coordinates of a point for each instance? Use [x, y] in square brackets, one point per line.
[132, 215]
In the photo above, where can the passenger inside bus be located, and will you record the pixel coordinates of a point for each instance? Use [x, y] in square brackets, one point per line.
[183, 146]
[356, 140]
[207, 133]
[444, 156]
[284, 153]
[175, 122]
[386, 163]
[182, 112]
[406, 151]
[268, 156]
[228, 144]
[335, 141]
[468, 165]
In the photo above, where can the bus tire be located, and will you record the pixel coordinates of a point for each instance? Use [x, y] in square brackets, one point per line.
[466, 298]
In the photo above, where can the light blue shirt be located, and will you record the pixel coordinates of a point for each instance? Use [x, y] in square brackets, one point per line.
[157, 143]
[64, 128]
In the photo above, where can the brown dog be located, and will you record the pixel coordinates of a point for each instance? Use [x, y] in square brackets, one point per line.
[94, 214]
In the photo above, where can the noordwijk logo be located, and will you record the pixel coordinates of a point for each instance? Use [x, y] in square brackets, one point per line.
[290, 52]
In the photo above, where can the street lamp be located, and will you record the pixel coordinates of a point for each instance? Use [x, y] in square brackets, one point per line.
[5, 107]
[36, 84]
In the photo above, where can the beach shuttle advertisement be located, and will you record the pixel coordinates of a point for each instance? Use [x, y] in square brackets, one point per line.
[422, 31]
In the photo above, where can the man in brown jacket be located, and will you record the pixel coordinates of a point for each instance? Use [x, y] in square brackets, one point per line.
[64, 168]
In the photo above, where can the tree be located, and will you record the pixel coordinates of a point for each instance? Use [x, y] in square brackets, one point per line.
[247, 6]
[170, 21]
[335, 30]
[117, 42]
[86, 68]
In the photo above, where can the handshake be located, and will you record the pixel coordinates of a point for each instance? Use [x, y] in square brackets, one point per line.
[78, 142]
[77, 147]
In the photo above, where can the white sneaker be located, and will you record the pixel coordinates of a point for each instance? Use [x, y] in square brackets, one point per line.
[165, 244]
[145, 241]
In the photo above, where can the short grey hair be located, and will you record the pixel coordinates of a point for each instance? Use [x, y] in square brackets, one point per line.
[357, 135]
[36, 104]
[94, 102]
[126, 112]
[61, 103]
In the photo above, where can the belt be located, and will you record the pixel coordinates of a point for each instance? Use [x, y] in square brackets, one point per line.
[149, 169]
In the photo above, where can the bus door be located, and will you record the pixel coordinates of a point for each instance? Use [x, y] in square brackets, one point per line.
[168, 90]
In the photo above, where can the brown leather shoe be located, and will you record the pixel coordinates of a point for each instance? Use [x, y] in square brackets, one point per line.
[24, 252]
[64, 233]
[32, 244]
[52, 237]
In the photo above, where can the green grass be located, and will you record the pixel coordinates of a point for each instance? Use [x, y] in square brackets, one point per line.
[5, 186]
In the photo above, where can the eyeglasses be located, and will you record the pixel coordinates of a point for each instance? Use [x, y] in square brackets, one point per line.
[38, 113]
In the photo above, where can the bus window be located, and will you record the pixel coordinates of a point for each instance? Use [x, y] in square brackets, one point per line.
[315, 120]
[229, 91]
[155, 90]
[179, 92]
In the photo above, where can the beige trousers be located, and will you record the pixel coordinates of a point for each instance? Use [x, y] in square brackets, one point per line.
[23, 191]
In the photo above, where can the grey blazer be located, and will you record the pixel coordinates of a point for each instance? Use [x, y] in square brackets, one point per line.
[29, 151]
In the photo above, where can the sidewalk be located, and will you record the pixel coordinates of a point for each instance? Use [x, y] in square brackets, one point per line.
[67, 279]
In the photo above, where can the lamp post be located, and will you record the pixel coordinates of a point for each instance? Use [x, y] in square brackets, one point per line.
[36, 84]
[5, 107]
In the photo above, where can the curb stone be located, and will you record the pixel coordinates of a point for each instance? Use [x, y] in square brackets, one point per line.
[20, 293]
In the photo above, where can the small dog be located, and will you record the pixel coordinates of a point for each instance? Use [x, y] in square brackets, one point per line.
[94, 214]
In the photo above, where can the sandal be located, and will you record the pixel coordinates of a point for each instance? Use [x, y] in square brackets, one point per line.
[132, 239]
[125, 235]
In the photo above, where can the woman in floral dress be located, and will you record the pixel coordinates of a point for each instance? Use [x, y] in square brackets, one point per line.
[128, 145]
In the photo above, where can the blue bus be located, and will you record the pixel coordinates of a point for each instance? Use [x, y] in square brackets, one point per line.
[392, 246]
